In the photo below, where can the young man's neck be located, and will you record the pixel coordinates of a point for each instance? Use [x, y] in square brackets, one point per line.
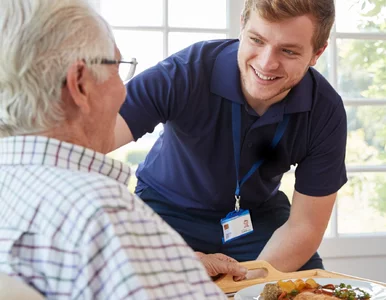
[260, 107]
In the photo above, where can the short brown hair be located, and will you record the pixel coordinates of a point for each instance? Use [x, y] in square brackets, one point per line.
[322, 12]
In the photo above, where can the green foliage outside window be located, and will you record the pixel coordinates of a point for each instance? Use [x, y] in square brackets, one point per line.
[362, 74]
[134, 157]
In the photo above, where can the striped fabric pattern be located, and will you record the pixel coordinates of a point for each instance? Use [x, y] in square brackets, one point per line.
[70, 228]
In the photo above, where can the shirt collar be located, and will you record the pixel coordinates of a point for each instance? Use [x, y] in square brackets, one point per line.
[43, 151]
[225, 82]
[300, 98]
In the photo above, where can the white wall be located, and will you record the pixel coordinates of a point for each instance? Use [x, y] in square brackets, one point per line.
[234, 11]
[366, 267]
[363, 256]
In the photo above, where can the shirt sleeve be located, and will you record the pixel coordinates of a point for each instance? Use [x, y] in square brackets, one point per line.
[157, 95]
[131, 253]
[323, 172]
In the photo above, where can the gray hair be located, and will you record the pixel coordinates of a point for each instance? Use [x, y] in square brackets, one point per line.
[40, 39]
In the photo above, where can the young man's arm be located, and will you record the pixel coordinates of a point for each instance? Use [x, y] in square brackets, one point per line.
[321, 173]
[157, 95]
[293, 244]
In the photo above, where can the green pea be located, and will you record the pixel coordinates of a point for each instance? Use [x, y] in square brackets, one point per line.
[294, 292]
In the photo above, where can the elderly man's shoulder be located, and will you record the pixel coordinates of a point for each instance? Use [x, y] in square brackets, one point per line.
[88, 189]
[71, 200]
[93, 184]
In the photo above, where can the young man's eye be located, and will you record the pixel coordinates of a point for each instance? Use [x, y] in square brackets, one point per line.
[257, 41]
[289, 52]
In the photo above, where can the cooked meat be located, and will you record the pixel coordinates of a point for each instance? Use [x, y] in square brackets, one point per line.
[312, 296]
[271, 291]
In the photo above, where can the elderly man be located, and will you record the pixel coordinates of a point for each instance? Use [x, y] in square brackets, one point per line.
[68, 225]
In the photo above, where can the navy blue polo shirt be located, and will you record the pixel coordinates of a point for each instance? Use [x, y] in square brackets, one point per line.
[192, 163]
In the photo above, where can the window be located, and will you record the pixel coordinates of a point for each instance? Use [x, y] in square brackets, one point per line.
[357, 67]
[154, 29]
[354, 63]
[358, 71]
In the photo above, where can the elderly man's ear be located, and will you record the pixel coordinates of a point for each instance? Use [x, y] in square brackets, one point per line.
[79, 84]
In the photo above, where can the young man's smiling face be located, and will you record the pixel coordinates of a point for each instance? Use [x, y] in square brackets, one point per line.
[273, 57]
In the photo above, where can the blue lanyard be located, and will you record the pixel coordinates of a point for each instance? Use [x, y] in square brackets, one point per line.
[236, 130]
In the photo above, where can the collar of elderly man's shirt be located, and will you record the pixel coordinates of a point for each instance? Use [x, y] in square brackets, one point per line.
[39, 150]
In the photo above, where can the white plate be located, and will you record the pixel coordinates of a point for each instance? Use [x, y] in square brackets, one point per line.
[376, 291]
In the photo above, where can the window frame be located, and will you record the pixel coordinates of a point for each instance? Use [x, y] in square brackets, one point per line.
[361, 244]
[231, 30]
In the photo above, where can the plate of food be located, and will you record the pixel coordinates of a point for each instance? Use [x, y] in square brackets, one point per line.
[314, 289]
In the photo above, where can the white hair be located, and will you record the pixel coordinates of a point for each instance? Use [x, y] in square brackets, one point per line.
[39, 40]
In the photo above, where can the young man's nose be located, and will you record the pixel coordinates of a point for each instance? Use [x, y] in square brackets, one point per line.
[268, 59]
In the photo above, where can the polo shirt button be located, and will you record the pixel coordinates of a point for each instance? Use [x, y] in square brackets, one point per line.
[250, 144]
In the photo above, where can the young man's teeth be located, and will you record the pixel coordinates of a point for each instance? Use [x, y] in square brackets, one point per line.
[261, 76]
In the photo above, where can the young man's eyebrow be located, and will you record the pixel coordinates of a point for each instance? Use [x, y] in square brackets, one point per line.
[284, 45]
[292, 46]
[259, 36]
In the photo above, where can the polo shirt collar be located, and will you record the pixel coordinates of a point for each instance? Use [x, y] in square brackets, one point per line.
[300, 98]
[225, 82]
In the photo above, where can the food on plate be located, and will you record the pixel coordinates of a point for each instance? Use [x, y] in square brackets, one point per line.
[311, 290]
[312, 296]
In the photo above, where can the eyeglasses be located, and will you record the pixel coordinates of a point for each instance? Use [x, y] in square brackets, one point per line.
[126, 68]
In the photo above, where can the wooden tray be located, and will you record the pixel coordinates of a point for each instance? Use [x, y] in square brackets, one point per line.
[229, 286]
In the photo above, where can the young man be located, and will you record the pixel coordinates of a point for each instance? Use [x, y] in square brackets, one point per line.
[237, 115]
[68, 225]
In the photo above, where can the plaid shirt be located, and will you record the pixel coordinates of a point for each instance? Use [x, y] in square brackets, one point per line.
[70, 228]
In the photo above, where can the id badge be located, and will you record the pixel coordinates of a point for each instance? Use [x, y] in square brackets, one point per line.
[236, 224]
